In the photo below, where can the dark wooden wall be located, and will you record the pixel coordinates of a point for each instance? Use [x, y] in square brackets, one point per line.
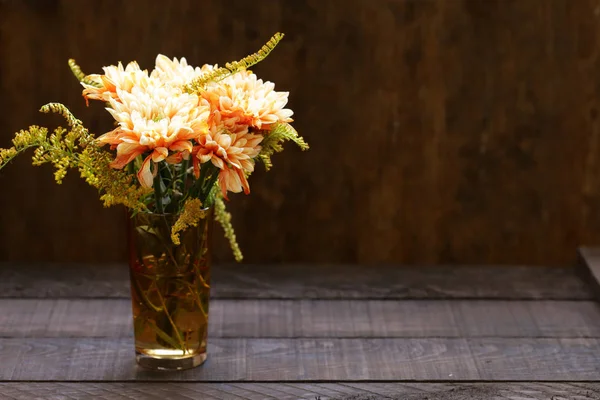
[449, 131]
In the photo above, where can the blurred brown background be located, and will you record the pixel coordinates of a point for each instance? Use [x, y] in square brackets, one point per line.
[449, 131]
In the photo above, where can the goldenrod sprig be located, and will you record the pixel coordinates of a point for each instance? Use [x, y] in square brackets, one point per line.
[61, 109]
[76, 148]
[190, 216]
[224, 218]
[198, 84]
[273, 141]
[23, 140]
[116, 186]
[81, 77]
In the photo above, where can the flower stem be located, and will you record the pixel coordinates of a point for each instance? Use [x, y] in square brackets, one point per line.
[185, 165]
[208, 188]
[142, 294]
[167, 312]
[158, 192]
[197, 185]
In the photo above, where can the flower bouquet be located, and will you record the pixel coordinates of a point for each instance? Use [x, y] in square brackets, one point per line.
[184, 138]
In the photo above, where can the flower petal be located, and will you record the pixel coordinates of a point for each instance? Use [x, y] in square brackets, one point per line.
[181, 145]
[111, 137]
[145, 174]
[217, 162]
[244, 181]
[174, 158]
[196, 164]
[126, 153]
[159, 154]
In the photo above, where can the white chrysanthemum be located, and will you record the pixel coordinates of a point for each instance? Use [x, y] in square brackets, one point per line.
[115, 78]
[157, 119]
[174, 72]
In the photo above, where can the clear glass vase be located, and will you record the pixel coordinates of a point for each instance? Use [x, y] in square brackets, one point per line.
[170, 288]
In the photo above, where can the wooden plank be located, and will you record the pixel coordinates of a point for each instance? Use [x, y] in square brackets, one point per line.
[302, 360]
[296, 391]
[310, 281]
[526, 318]
[40, 280]
[480, 391]
[394, 282]
[316, 318]
[65, 317]
[550, 358]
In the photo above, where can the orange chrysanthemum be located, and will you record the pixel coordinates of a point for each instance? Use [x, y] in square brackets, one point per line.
[243, 99]
[231, 152]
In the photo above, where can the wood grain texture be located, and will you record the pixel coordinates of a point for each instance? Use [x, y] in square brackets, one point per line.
[302, 360]
[308, 281]
[320, 318]
[297, 391]
[441, 131]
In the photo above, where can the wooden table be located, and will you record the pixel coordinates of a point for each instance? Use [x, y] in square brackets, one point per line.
[309, 332]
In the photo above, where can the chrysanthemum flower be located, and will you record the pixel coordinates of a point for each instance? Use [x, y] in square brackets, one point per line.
[115, 78]
[174, 72]
[158, 119]
[231, 152]
[243, 99]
